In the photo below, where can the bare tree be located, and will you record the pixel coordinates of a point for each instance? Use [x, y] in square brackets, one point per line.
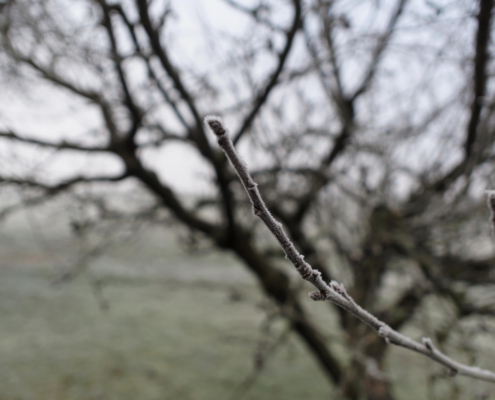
[373, 146]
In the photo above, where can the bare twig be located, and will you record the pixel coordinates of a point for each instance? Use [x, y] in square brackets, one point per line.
[334, 291]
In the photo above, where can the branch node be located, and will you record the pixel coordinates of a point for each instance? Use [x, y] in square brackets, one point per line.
[453, 372]
[340, 289]
[384, 332]
[306, 272]
[317, 296]
[428, 344]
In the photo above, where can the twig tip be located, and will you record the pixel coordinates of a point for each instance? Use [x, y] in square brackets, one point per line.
[215, 123]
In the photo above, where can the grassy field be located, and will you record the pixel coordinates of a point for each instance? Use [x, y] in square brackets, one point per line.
[177, 326]
[155, 342]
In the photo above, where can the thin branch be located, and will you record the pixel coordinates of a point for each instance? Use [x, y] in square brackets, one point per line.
[196, 134]
[49, 190]
[332, 84]
[53, 189]
[480, 80]
[480, 72]
[165, 94]
[163, 135]
[328, 35]
[166, 194]
[255, 13]
[57, 146]
[333, 291]
[171, 70]
[136, 113]
[131, 27]
[94, 97]
[330, 91]
[272, 82]
[378, 52]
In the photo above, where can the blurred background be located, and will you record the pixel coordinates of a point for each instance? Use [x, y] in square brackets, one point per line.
[131, 265]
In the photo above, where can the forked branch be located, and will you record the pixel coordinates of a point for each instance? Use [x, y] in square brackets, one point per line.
[333, 291]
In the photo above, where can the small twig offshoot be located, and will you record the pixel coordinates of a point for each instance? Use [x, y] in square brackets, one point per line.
[333, 291]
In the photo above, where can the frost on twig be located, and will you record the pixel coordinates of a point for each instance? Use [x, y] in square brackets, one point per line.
[334, 291]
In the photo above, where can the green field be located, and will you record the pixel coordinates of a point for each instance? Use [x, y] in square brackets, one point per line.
[178, 326]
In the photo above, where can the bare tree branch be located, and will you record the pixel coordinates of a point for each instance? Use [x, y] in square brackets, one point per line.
[131, 27]
[53, 189]
[57, 146]
[197, 134]
[480, 72]
[272, 82]
[49, 191]
[333, 291]
[485, 20]
[378, 51]
[166, 63]
[135, 111]
[87, 94]
[256, 13]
